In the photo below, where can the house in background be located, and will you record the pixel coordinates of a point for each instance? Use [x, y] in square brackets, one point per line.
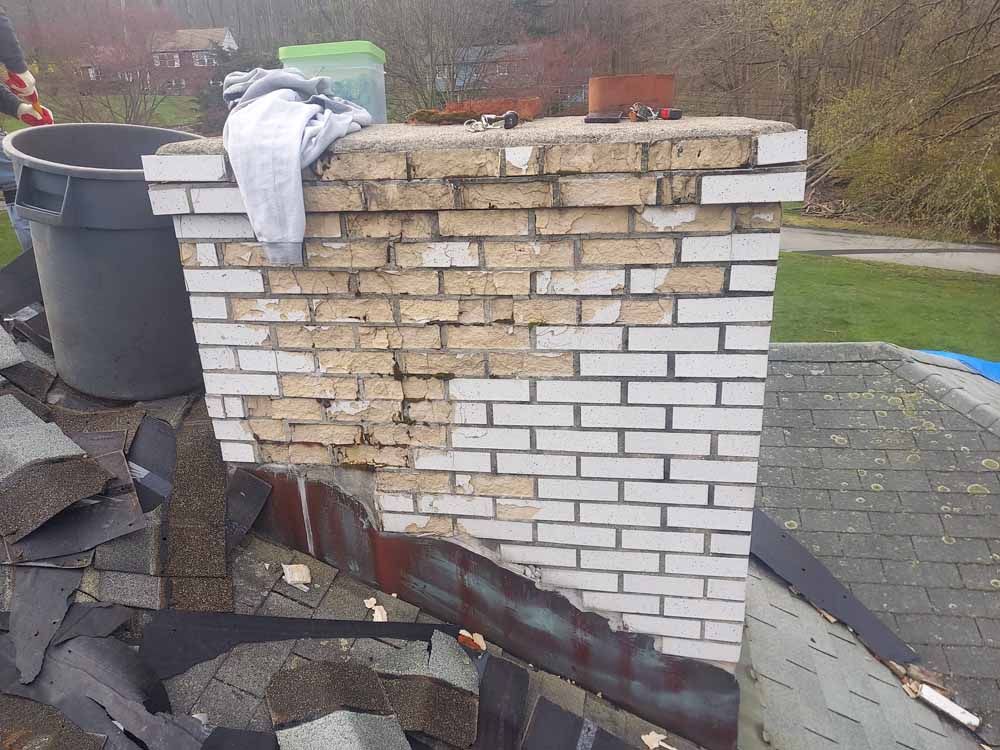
[187, 60]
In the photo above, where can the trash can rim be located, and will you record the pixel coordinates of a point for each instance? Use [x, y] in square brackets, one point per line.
[97, 173]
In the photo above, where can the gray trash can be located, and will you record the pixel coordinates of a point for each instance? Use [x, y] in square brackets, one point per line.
[109, 269]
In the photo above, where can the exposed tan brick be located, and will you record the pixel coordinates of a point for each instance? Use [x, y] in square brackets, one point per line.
[638, 312]
[704, 280]
[616, 190]
[487, 283]
[364, 411]
[307, 453]
[356, 362]
[269, 309]
[333, 197]
[593, 157]
[437, 254]
[369, 455]
[761, 216]
[419, 363]
[534, 194]
[528, 311]
[322, 225]
[684, 219]
[627, 252]
[530, 365]
[708, 153]
[419, 389]
[455, 163]
[274, 453]
[348, 255]
[398, 481]
[435, 412]
[659, 156]
[412, 226]
[353, 311]
[382, 388]
[528, 254]
[424, 436]
[489, 484]
[680, 188]
[326, 434]
[581, 220]
[423, 337]
[241, 254]
[269, 430]
[189, 255]
[440, 526]
[292, 409]
[477, 223]
[398, 282]
[315, 337]
[307, 282]
[426, 310]
[409, 196]
[365, 165]
[488, 337]
[471, 311]
[317, 386]
[500, 309]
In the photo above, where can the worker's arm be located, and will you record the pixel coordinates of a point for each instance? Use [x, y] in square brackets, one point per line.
[18, 98]
[10, 49]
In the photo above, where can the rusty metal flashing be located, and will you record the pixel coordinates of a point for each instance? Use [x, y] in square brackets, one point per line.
[692, 698]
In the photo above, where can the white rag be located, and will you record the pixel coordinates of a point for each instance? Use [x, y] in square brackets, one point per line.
[280, 123]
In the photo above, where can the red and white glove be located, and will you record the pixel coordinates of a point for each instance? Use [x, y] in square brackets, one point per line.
[22, 84]
[27, 114]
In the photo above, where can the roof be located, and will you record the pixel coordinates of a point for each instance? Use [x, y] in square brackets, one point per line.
[189, 39]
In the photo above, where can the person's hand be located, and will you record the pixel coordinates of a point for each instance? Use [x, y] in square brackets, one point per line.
[22, 84]
[27, 114]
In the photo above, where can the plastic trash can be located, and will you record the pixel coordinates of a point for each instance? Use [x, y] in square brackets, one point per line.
[357, 69]
[109, 269]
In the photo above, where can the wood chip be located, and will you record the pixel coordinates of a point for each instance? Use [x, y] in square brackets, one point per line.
[946, 706]
[297, 575]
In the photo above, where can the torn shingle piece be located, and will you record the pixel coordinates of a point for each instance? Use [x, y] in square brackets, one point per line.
[104, 420]
[503, 705]
[245, 498]
[201, 594]
[152, 460]
[93, 620]
[10, 354]
[345, 729]
[99, 443]
[30, 378]
[39, 726]
[132, 589]
[141, 551]
[319, 688]
[169, 410]
[41, 600]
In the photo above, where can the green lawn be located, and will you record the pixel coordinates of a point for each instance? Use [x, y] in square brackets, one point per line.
[10, 248]
[837, 299]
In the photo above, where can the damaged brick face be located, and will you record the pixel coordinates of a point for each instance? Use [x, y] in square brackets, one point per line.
[556, 350]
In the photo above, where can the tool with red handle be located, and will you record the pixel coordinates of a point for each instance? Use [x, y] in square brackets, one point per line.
[25, 90]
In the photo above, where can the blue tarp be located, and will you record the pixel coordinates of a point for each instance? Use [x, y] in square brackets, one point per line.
[984, 367]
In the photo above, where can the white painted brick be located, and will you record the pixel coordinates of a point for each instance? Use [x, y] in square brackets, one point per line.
[721, 365]
[223, 281]
[742, 446]
[672, 393]
[217, 200]
[673, 339]
[533, 414]
[206, 254]
[626, 468]
[216, 407]
[669, 218]
[580, 282]
[602, 560]
[576, 489]
[457, 505]
[238, 453]
[232, 429]
[728, 496]
[700, 470]
[730, 544]
[241, 385]
[538, 510]
[637, 417]
[772, 187]
[756, 338]
[642, 365]
[485, 389]
[669, 493]
[705, 565]
[295, 362]
[238, 334]
[592, 338]
[663, 626]
[706, 650]
[184, 168]
[508, 531]
[664, 541]
[724, 631]
[518, 158]
[578, 441]
[468, 413]
[664, 585]
[752, 278]
[399, 522]
[706, 609]
[590, 580]
[733, 420]
[213, 227]
[217, 358]
[234, 407]
[649, 605]
[263, 360]
[447, 254]
[725, 309]
[451, 461]
[669, 443]
[579, 392]
[169, 201]
[743, 394]
[536, 463]
[621, 515]
[213, 308]
[730, 247]
[720, 588]
[710, 518]
[394, 503]
[490, 437]
[556, 556]
[576, 535]
[782, 148]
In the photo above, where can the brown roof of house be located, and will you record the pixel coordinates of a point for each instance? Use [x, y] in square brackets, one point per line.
[189, 39]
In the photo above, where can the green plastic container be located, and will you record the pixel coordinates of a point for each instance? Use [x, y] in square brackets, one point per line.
[357, 69]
